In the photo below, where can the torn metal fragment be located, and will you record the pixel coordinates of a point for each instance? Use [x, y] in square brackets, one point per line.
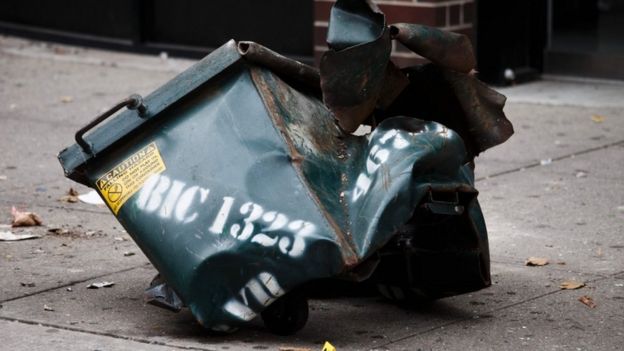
[353, 70]
[162, 295]
[445, 49]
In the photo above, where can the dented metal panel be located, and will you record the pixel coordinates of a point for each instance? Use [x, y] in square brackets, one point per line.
[241, 182]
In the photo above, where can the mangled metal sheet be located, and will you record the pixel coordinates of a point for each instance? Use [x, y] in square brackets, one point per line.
[353, 69]
[241, 181]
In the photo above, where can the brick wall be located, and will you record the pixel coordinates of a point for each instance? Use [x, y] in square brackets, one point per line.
[453, 15]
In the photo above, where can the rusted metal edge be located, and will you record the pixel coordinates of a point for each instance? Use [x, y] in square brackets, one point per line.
[348, 249]
[352, 79]
[447, 49]
[281, 65]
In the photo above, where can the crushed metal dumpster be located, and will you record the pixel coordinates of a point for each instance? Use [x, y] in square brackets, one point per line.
[241, 181]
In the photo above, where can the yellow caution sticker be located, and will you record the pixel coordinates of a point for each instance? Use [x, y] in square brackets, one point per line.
[125, 179]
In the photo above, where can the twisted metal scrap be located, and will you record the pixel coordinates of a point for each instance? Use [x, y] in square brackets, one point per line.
[359, 82]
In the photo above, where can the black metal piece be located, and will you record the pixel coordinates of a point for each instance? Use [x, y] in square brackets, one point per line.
[448, 205]
[445, 49]
[133, 102]
[354, 69]
[162, 295]
[287, 68]
[287, 315]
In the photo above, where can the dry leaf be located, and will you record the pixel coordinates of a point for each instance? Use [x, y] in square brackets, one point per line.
[67, 99]
[587, 301]
[598, 118]
[536, 261]
[72, 196]
[24, 219]
[571, 285]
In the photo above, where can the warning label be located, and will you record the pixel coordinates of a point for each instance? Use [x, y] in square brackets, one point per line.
[123, 181]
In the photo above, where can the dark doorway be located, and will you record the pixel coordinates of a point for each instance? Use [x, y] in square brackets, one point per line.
[586, 38]
[511, 37]
[186, 27]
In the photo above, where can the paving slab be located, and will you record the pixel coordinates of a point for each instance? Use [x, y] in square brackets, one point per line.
[22, 336]
[549, 132]
[91, 247]
[352, 323]
[555, 322]
[37, 124]
[549, 211]
[558, 91]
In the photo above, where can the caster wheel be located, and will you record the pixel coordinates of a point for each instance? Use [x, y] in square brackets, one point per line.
[287, 315]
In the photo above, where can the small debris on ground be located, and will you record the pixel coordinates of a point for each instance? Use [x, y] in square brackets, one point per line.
[598, 118]
[118, 238]
[587, 301]
[98, 285]
[69, 289]
[571, 285]
[3, 177]
[94, 233]
[536, 261]
[288, 348]
[58, 230]
[128, 253]
[545, 162]
[66, 99]
[581, 174]
[620, 208]
[60, 50]
[91, 198]
[27, 284]
[8, 236]
[71, 197]
[24, 219]
[48, 308]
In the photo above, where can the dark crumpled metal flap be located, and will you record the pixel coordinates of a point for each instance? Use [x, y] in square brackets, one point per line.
[353, 70]
[457, 100]
[483, 107]
[446, 49]
[395, 81]
[353, 22]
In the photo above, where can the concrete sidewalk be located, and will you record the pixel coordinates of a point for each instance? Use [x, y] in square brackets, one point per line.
[555, 190]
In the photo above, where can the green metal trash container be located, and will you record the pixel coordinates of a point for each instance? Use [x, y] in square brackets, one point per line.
[239, 186]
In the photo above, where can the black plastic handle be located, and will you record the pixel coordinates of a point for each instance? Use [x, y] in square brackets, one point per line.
[133, 102]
